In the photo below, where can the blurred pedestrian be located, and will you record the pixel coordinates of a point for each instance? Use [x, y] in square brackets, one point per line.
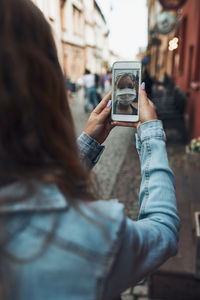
[68, 85]
[98, 87]
[89, 82]
[107, 82]
[56, 240]
[97, 80]
[148, 83]
[102, 81]
[168, 82]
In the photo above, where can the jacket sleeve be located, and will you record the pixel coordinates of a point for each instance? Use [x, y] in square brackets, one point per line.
[90, 150]
[150, 241]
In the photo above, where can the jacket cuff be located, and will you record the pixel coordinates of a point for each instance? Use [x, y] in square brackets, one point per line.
[150, 129]
[90, 150]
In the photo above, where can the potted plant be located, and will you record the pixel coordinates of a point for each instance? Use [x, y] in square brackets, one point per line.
[194, 146]
[193, 156]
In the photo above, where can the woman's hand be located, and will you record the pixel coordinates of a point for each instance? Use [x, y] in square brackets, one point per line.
[146, 111]
[99, 123]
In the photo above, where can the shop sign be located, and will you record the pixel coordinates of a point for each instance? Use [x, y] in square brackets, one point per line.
[165, 22]
[172, 4]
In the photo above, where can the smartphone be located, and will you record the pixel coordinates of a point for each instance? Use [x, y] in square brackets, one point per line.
[126, 79]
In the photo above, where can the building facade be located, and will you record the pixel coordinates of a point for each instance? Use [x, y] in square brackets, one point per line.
[51, 10]
[81, 35]
[102, 53]
[73, 38]
[182, 62]
[161, 58]
[84, 38]
[187, 62]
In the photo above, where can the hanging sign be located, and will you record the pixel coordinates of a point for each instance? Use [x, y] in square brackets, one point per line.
[155, 41]
[172, 4]
[165, 22]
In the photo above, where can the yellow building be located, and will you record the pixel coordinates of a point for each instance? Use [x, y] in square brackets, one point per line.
[81, 35]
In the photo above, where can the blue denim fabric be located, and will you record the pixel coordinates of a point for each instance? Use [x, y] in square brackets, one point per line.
[151, 240]
[91, 150]
[95, 252]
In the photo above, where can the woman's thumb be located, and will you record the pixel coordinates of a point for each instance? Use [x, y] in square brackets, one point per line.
[106, 111]
[143, 95]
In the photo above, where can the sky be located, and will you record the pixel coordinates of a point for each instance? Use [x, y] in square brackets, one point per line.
[127, 22]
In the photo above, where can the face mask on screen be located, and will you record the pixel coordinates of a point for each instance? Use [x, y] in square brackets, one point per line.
[125, 96]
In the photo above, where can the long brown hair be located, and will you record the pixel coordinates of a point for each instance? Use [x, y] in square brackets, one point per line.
[37, 136]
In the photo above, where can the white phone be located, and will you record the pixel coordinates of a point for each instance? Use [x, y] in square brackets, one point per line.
[126, 79]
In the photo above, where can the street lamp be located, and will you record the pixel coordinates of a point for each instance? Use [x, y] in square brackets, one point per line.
[173, 44]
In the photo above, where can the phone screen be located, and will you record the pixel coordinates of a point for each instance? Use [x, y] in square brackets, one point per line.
[126, 87]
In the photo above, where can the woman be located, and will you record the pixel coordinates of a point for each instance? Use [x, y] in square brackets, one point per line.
[126, 96]
[56, 241]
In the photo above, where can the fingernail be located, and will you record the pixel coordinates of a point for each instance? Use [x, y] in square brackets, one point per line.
[143, 85]
[109, 103]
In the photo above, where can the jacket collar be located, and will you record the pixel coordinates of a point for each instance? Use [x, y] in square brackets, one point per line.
[34, 196]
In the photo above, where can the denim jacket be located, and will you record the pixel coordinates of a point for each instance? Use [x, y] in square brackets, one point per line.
[94, 252]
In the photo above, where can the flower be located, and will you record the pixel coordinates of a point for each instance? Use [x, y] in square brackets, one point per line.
[194, 145]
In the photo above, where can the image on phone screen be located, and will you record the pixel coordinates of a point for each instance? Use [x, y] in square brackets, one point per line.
[126, 85]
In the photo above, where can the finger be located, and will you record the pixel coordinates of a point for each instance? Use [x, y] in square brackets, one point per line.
[143, 97]
[105, 113]
[110, 125]
[151, 103]
[125, 124]
[103, 103]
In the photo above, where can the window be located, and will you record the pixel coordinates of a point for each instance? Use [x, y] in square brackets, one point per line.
[77, 21]
[190, 63]
[63, 17]
[182, 44]
[197, 64]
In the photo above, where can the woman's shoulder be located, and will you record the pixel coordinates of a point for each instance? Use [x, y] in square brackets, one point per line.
[112, 209]
[107, 213]
[94, 224]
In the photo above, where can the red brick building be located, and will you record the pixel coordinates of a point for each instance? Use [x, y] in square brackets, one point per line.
[187, 62]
